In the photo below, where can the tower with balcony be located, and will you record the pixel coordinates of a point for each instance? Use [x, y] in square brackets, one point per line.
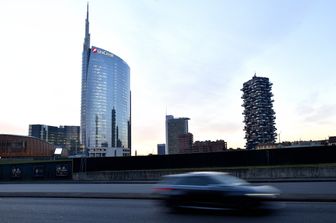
[259, 116]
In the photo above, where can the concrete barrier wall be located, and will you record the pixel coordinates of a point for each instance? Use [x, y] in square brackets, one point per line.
[21, 170]
[248, 173]
[226, 159]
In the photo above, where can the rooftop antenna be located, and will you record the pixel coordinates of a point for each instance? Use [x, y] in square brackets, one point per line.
[87, 10]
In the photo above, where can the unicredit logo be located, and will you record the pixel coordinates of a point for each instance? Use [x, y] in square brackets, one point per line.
[99, 51]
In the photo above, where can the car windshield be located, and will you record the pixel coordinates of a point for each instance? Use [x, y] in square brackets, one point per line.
[230, 180]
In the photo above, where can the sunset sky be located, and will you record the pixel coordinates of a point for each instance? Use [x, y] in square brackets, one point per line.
[188, 58]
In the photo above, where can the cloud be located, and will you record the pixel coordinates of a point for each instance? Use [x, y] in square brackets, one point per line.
[322, 114]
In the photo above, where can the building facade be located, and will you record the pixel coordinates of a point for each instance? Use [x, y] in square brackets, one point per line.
[174, 128]
[185, 143]
[71, 136]
[259, 116]
[66, 137]
[209, 146]
[161, 149]
[14, 146]
[293, 144]
[332, 141]
[44, 132]
[106, 100]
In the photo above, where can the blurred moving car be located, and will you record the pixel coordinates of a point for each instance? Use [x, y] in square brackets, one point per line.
[212, 190]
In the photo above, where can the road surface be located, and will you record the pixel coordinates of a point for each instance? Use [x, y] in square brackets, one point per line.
[285, 187]
[52, 210]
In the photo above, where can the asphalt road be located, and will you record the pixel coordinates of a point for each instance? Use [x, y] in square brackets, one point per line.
[285, 187]
[46, 210]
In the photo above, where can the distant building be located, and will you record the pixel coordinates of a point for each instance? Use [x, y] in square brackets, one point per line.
[185, 143]
[161, 149]
[259, 116]
[66, 137]
[269, 146]
[332, 141]
[174, 128]
[15, 146]
[71, 137]
[44, 132]
[209, 146]
[294, 144]
[108, 152]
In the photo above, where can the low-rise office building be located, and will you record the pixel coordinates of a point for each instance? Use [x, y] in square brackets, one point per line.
[209, 146]
[294, 144]
[65, 137]
[332, 141]
[185, 143]
[161, 149]
[15, 146]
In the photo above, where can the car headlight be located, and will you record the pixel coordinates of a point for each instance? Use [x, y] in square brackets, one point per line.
[261, 195]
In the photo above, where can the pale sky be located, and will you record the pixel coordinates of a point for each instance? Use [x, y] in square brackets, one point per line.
[188, 58]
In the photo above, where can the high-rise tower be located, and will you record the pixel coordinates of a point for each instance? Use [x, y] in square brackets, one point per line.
[85, 63]
[106, 102]
[175, 127]
[258, 111]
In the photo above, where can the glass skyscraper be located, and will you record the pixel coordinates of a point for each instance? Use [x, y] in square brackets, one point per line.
[106, 101]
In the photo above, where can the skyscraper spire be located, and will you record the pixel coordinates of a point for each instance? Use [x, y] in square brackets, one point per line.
[87, 28]
[87, 11]
[85, 64]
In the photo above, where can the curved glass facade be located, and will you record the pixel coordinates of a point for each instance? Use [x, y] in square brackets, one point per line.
[107, 100]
